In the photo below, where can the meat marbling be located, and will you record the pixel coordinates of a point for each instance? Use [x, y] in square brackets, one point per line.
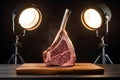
[61, 52]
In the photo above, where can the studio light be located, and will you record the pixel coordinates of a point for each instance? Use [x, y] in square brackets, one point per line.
[93, 18]
[29, 18]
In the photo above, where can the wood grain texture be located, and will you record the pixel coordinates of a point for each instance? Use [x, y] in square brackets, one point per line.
[40, 68]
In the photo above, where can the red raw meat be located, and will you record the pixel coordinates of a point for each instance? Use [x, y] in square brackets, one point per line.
[61, 52]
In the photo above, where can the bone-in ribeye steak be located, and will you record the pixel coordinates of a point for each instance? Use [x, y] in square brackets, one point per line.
[61, 52]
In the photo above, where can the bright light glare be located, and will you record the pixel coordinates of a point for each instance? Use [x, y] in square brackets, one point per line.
[29, 18]
[92, 18]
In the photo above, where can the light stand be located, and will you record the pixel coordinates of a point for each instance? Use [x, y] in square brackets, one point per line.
[17, 44]
[103, 45]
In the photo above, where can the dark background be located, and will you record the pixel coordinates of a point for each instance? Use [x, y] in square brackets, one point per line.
[35, 42]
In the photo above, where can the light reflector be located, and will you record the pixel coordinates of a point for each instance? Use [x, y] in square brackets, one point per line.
[95, 15]
[92, 18]
[30, 18]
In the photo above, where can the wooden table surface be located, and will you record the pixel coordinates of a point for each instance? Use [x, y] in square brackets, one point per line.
[8, 71]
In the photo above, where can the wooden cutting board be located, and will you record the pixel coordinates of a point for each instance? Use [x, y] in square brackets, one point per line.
[40, 68]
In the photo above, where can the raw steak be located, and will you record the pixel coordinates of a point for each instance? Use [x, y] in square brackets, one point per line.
[61, 52]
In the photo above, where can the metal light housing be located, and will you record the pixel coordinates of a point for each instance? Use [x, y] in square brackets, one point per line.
[29, 17]
[94, 16]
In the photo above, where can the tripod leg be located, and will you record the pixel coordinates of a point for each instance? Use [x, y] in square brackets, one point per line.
[96, 59]
[10, 59]
[21, 59]
[109, 59]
